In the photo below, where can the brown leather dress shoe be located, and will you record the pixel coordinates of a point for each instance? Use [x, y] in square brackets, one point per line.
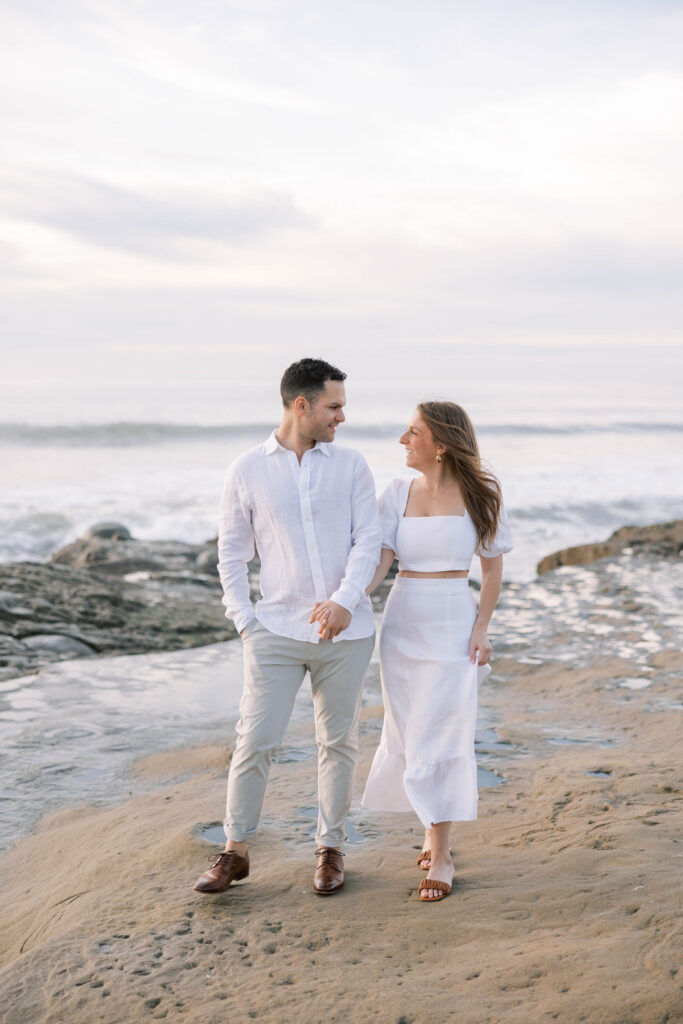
[226, 869]
[329, 873]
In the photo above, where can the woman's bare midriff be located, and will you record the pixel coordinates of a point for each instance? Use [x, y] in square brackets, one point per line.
[450, 574]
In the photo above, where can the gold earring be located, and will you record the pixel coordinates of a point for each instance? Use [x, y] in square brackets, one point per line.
[439, 459]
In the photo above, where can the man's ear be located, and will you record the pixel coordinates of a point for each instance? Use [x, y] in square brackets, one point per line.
[300, 405]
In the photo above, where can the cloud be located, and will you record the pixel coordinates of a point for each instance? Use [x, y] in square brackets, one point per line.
[162, 226]
[366, 294]
[13, 269]
[386, 171]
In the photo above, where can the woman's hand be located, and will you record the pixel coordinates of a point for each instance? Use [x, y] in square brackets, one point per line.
[479, 641]
[332, 618]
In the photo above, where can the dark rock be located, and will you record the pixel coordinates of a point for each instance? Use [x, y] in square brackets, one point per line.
[38, 604]
[16, 612]
[110, 594]
[207, 560]
[123, 557]
[108, 531]
[78, 612]
[14, 668]
[57, 644]
[664, 540]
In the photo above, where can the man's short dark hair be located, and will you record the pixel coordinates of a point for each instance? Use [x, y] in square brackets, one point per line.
[307, 377]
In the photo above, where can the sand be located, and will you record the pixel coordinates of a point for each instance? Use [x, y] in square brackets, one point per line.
[566, 905]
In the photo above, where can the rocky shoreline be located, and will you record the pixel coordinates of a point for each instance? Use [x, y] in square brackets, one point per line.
[661, 540]
[109, 593]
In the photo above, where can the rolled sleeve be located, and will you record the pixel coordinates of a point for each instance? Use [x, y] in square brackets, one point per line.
[235, 548]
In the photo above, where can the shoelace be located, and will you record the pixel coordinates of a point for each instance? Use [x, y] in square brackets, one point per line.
[217, 859]
[326, 855]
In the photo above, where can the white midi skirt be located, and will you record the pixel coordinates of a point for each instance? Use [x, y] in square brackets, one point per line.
[425, 760]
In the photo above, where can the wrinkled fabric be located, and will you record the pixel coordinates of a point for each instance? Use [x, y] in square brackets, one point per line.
[425, 761]
[316, 527]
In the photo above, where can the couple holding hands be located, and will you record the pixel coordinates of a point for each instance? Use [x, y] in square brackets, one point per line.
[309, 507]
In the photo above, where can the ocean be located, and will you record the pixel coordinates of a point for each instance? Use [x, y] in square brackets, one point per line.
[583, 440]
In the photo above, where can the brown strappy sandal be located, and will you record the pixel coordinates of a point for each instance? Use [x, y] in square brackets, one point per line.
[426, 855]
[433, 883]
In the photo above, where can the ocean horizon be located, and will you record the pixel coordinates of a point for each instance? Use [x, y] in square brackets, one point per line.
[583, 441]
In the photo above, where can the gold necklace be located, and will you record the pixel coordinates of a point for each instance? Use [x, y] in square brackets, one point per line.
[437, 496]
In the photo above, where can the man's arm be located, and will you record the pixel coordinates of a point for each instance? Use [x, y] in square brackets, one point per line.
[366, 542]
[322, 610]
[235, 549]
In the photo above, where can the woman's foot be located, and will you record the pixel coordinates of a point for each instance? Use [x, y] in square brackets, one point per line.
[425, 859]
[442, 872]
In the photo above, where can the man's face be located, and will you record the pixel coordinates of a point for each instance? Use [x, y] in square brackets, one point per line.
[326, 412]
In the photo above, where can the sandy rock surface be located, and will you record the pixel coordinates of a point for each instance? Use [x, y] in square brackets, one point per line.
[566, 905]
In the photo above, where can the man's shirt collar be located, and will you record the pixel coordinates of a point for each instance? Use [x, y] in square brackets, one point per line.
[273, 445]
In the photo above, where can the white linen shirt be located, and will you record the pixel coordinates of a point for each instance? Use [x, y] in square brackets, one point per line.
[316, 528]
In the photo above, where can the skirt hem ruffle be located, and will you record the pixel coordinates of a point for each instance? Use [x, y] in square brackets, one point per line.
[391, 777]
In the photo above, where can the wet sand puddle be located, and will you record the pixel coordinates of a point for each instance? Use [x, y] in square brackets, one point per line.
[303, 823]
[629, 607]
[75, 729]
[357, 829]
[581, 741]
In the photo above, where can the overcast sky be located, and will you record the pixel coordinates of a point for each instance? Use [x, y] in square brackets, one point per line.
[184, 178]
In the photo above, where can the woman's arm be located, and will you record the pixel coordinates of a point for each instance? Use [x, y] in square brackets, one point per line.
[385, 563]
[491, 580]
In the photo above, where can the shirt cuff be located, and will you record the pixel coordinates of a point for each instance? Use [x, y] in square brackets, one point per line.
[242, 618]
[346, 598]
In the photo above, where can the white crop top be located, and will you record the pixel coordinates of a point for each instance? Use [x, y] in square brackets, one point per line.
[434, 543]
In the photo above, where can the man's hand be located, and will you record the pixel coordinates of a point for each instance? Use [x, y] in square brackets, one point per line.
[331, 617]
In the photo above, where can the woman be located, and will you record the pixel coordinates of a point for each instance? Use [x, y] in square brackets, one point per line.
[434, 648]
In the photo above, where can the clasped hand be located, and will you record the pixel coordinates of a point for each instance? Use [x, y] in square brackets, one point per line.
[331, 617]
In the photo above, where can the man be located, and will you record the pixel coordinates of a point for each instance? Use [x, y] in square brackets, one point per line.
[310, 507]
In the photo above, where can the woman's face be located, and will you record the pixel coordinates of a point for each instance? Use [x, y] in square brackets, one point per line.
[418, 443]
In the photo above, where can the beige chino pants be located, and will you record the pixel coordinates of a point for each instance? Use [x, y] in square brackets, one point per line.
[274, 669]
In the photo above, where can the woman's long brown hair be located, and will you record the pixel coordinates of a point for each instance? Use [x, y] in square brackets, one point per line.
[452, 428]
